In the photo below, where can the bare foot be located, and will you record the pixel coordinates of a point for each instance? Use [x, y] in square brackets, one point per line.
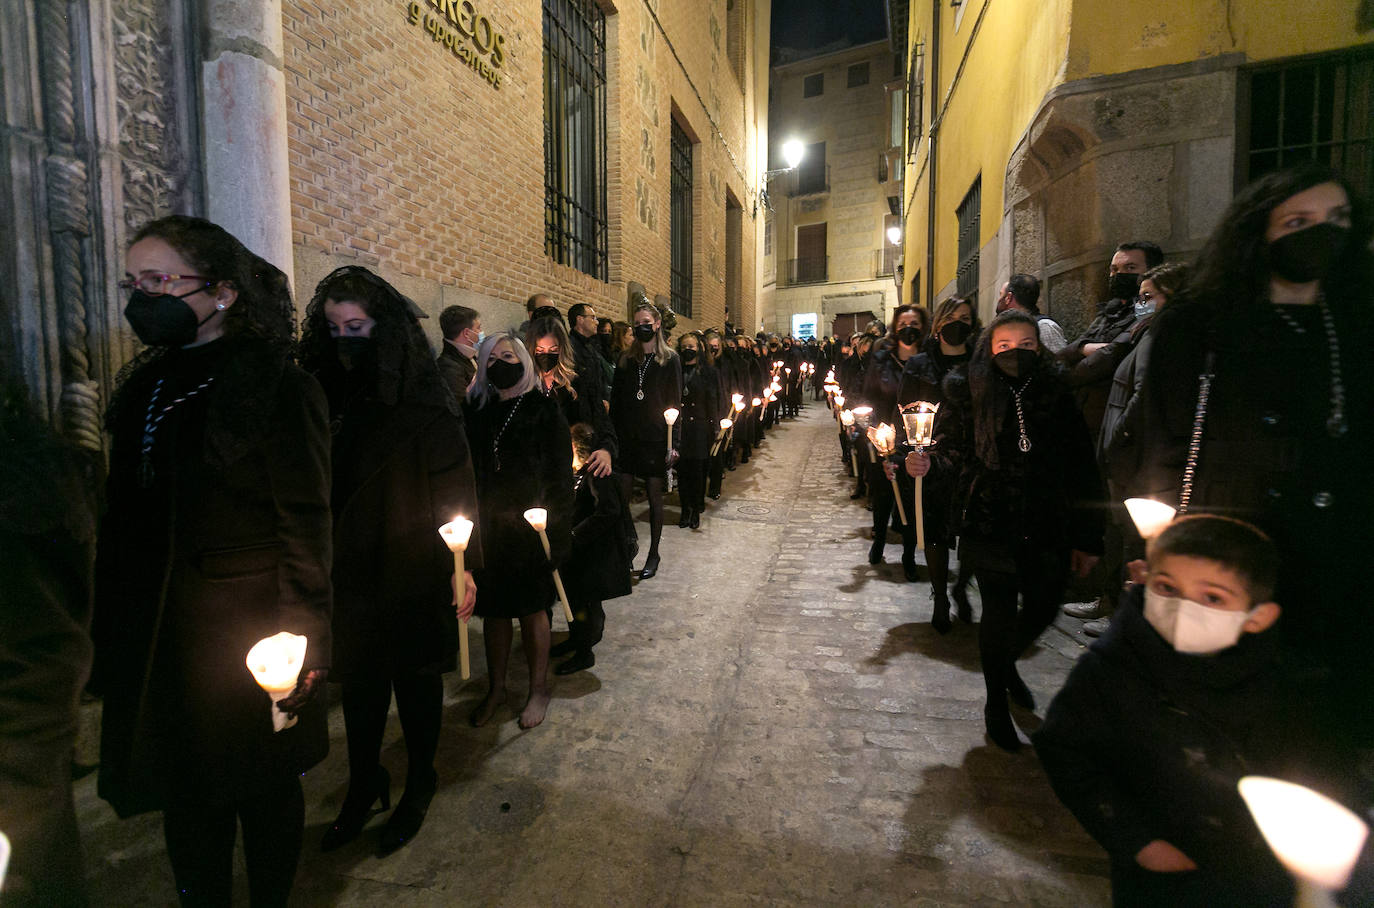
[487, 708]
[535, 707]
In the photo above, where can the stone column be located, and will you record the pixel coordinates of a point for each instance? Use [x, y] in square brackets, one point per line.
[243, 87]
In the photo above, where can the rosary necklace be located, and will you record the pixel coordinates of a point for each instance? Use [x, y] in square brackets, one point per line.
[643, 371]
[1024, 442]
[496, 442]
[153, 419]
[1336, 424]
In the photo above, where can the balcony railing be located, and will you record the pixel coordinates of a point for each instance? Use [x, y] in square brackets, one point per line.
[807, 271]
[812, 181]
[885, 260]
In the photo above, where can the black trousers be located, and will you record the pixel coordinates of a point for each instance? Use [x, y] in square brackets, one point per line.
[691, 478]
[200, 845]
[419, 703]
[589, 621]
[1006, 631]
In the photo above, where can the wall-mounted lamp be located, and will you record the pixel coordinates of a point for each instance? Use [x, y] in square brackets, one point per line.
[792, 153]
[894, 235]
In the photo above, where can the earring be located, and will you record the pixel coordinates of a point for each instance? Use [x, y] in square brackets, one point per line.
[219, 306]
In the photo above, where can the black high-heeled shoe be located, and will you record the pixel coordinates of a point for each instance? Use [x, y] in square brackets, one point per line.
[961, 604]
[909, 568]
[875, 552]
[939, 618]
[650, 567]
[356, 812]
[403, 825]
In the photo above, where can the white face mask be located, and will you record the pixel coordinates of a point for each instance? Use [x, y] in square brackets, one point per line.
[1191, 627]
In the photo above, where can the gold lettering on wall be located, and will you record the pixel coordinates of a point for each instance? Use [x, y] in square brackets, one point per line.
[466, 34]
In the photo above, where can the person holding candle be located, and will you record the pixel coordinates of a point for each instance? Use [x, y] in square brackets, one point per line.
[882, 380]
[577, 394]
[648, 381]
[923, 376]
[1277, 311]
[598, 565]
[699, 421]
[852, 384]
[523, 460]
[216, 534]
[401, 469]
[1026, 486]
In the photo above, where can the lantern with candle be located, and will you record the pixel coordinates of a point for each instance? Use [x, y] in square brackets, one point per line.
[276, 665]
[847, 421]
[919, 421]
[539, 519]
[456, 534]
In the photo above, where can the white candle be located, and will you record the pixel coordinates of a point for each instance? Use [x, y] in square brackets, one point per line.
[1317, 839]
[456, 534]
[1149, 516]
[670, 416]
[539, 519]
[276, 665]
[884, 439]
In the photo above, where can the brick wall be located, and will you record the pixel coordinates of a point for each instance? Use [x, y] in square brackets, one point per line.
[406, 159]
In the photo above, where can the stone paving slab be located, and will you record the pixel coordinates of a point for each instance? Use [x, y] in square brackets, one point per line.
[771, 721]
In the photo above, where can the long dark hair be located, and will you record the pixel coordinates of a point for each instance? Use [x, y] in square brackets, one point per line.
[1233, 267]
[405, 361]
[990, 406]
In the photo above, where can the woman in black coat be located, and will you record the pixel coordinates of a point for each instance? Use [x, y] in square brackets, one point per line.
[923, 379]
[1028, 497]
[400, 471]
[882, 380]
[523, 460]
[647, 382]
[216, 536]
[579, 396]
[1278, 311]
[598, 566]
[699, 422]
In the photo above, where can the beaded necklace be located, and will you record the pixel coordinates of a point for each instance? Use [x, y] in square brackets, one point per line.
[1024, 442]
[643, 371]
[1336, 424]
[496, 442]
[152, 419]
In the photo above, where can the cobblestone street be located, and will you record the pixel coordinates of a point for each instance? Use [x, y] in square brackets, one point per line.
[771, 721]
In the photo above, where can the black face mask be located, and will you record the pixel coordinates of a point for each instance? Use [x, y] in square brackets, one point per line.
[503, 374]
[1122, 286]
[164, 321]
[715, 351]
[1307, 255]
[546, 362]
[955, 333]
[772, 346]
[1017, 363]
[689, 355]
[356, 354]
[909, 335]
[645, 333]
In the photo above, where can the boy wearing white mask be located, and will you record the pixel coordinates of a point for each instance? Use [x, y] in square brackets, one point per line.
[1167, 710]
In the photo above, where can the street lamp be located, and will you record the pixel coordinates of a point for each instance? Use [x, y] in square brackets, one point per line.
[792, 153]
[894, 234]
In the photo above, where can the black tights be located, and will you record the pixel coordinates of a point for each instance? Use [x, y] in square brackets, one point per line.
[692, 477]
[200, 845]
[653, 485]
[1005, 632]
[419, 703]
[937, 562]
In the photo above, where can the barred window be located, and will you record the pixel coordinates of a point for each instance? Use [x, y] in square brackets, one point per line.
[681, 155]
[857, 75]
[575, 231]
[915, 92]
[969, 242]
[813, 85]
[1316, 108]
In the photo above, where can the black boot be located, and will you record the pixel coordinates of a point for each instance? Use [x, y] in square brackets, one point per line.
[357, 810]
[582, 659]
[939, 617]
[961, 604]
[686, 518]
[696, 520]
[997, 721]
[875, 551]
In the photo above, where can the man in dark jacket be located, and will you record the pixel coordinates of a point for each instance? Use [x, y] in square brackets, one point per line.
[586, 350]
[462, 330]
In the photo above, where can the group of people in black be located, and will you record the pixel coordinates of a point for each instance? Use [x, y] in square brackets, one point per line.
[261, 482]
[1235, 389]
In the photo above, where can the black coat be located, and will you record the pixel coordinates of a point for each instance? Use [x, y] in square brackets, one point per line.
[639, 423]
[400, 473]
[1090, 376]
[598, 567]
[882, 381]
[923, 379]
[456, 369]
[701, 412]
[527, 464]
[1146, 743]
[229, 544]
[1049, 498]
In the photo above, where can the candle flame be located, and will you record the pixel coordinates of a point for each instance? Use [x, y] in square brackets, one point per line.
[670, 415]
[726, 423]
[538, 518]
[1313, 836]
[1149, 516]
[757, 401]
[456, 533]
[276, 661]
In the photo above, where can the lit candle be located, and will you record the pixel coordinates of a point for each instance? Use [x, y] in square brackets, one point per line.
[737, 402]
[919, 420]
[719, 443]
[847, 420]
[884, 439]
[539, 519]
[757, 402]
[276, 665]
[456, 534]
[1149, 516]
[670, 416]
[1317, 839]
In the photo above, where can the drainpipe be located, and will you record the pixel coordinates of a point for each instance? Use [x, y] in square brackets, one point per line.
[931, 156]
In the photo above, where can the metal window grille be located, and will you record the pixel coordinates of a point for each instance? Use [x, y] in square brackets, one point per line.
[813, 85]
[681, 292]
[575, 222]
[916, 84]
[969, 242]
[856, 75]
[1317, 108]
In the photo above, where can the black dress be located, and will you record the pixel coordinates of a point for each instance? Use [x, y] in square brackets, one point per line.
[639, 425]
[522, 458]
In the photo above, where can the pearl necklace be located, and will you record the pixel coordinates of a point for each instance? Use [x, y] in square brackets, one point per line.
[496, 442]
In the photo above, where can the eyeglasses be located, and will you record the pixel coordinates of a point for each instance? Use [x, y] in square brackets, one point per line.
[155, 283]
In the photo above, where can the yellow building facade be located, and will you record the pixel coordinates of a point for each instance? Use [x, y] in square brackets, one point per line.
[1041, 135]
